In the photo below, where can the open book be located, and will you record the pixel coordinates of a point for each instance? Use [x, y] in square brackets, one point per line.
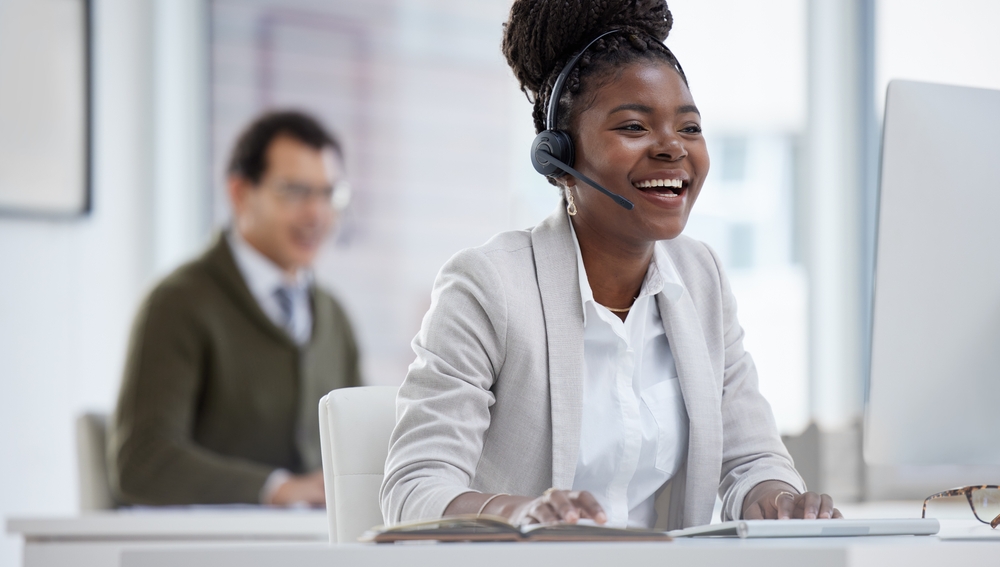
[492, 528]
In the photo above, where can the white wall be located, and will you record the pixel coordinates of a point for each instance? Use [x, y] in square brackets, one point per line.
[68, 289]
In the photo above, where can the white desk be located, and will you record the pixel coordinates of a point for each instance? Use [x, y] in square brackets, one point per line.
[912, 551]
[264, 538]
[97, 539]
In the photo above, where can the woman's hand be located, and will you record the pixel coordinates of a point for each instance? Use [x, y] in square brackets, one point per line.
[553, 506]
[776, 500]
[557, 506]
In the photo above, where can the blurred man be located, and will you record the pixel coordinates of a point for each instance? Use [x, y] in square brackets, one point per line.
[230, 354]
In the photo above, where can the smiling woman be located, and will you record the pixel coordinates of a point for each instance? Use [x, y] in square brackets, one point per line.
[641, 135]
[593, 366]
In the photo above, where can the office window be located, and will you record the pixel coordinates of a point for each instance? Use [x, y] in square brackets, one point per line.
[741, 245]
[922, 40]
[746, 63]
[733, 158]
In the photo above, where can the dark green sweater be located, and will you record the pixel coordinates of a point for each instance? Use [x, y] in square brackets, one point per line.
[215, 396]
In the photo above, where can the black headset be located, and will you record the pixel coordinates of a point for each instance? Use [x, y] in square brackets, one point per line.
[552, 152]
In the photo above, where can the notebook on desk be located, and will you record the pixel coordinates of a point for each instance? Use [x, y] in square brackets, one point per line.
[812, 528]
[489, 528]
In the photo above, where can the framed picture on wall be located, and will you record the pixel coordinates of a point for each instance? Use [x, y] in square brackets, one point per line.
[45, 108]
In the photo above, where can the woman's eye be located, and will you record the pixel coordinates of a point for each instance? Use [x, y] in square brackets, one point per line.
[634, 127]
[692, 129]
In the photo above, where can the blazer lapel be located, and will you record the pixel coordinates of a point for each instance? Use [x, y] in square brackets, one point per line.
[559, 287]
[223, 266]
[701, 399]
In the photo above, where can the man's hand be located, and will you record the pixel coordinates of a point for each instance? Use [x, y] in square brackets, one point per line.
[775, 500]
[304, 489]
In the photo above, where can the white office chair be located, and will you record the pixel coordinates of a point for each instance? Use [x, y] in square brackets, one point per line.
[354, 429]
[92, 464]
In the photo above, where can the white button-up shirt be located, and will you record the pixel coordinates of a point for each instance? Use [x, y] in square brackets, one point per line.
[635, 428]
[263, 277]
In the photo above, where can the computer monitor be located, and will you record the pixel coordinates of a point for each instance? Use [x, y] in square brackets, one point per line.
[933, 410]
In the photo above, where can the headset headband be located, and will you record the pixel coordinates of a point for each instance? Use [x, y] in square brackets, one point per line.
[550, 116]
[553, 110]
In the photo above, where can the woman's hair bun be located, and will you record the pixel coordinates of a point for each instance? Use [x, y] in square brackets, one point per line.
[543, 34]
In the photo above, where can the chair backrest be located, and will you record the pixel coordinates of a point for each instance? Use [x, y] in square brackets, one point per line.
[354, 426]
[92, 464]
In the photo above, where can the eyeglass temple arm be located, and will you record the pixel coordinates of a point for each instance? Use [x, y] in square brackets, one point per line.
[943, 494]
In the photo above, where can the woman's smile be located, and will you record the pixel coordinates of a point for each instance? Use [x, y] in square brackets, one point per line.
[667, 189]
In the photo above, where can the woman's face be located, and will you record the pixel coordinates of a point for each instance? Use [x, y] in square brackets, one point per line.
[641, 138]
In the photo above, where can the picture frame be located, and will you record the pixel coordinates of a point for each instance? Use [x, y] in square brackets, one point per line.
[46, 109]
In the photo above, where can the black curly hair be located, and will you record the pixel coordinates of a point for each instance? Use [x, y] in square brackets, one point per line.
[542, 35]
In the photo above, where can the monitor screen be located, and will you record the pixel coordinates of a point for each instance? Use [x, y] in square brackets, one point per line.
[934, 388]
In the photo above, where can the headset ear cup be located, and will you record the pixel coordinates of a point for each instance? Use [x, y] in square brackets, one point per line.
[556, 143]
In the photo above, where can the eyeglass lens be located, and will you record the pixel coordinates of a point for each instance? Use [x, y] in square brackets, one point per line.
[986, 503]
[298, 192]
[338, 196]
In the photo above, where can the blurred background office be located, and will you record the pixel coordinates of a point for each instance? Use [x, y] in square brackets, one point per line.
[436, 136]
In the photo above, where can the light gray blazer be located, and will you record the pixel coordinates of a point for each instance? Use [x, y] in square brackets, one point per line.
[493, 401]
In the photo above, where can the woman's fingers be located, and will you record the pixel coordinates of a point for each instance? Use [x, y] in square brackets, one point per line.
[785, 504]
[816, 506]
[772, 500]
[560, 501]
[564, 506]
[542, 512]
[809, 504]
[556, 506]
[589, 507]
[825, 507]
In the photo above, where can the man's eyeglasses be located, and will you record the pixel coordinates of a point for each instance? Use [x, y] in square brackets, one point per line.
[984, 500]
[298, 194]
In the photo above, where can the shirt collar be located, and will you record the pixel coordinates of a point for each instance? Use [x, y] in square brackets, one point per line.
[661, 276]
[261, 274]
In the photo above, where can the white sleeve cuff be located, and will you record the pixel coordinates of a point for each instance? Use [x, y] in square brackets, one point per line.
[273, 483]
[732, 501]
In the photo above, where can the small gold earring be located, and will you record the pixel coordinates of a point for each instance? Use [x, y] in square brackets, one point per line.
[570, 203]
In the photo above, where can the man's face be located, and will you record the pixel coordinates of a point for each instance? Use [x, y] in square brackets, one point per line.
[287, 216]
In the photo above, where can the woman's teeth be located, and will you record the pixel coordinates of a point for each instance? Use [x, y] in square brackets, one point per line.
[674, 183]
[674, 186]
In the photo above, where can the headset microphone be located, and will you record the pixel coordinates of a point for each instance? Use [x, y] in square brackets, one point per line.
[552, 152]
[547, 157]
